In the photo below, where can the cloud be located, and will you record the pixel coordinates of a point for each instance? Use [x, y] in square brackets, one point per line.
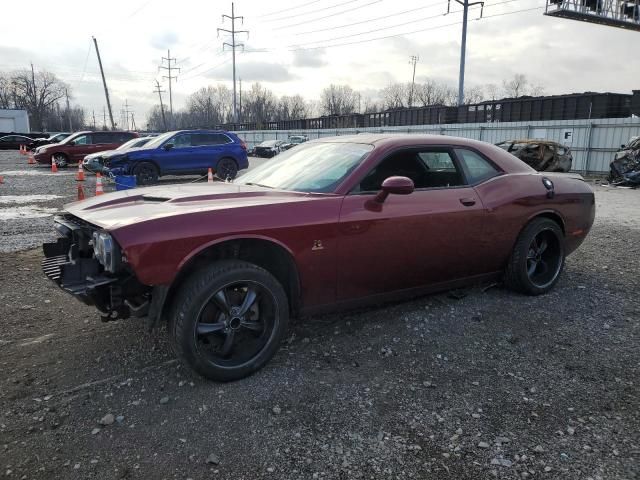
[253, 72]
[309, 58]
[164, 39]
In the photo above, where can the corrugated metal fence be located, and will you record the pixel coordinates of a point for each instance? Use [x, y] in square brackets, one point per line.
[593, 142]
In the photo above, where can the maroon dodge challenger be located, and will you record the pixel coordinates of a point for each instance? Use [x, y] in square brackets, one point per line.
[331, 224]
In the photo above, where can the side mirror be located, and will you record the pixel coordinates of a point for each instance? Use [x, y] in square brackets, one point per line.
[71, 143]
[168, 146]
[622, 146]
[396, 186]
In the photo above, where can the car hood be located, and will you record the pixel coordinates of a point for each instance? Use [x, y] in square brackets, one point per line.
[103, 154]
[119, 209]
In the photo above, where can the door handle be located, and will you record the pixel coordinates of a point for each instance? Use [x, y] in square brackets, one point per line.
[467, 202]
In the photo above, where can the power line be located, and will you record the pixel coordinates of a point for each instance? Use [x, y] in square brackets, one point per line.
[288, 9]
[384, 17]
[356, 42]
[329, 16]
[287, 17]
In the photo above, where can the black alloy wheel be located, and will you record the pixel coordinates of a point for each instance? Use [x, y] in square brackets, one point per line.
[229, 320]
[146, 173]
[537, 258]
[227, 168]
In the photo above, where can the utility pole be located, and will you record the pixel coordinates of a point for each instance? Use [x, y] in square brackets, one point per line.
[104, 118]
[463, 47]
[240, 111]
[413, 59]
[104, 83]
[169, 68]
[160, 92]
[233, 46]
[133, 122]
[66, 94]
[93, 113]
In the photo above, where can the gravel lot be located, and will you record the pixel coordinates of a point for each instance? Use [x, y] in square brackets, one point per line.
[490, 385]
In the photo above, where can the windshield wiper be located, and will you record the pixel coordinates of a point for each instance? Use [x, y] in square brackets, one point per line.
[257, 185]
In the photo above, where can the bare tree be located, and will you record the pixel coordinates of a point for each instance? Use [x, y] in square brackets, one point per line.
[259, 104]
[434, 93]
[7, 92]
[36, 93]
[292, 108]
[338, 100]
[395, 95]
[515, 87]
[208, 107]
[493, 91]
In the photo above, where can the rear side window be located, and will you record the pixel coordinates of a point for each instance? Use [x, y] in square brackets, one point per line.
[82, 140]
[203, 139]
[476, 168]
[103, 138]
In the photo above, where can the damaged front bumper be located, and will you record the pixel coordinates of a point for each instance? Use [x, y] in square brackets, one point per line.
[70, 263]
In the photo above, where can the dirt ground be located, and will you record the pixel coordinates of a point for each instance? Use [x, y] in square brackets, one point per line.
[490, 385]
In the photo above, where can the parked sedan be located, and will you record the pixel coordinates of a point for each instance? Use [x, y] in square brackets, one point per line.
[332, 224]
[96, 162]
[13, 142]
[185, 152]
[57, 138]
[294, 140]
[268, 148]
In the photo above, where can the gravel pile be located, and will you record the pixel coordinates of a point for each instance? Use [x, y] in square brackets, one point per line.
[479, 385]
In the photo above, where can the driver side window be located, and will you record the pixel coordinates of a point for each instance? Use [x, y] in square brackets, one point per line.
[82, 140]
[426, 168]
[182, 141]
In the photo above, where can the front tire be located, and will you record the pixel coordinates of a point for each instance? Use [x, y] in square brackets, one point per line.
[537, 259]
[61, 160]
[146, 173]
[229, 319]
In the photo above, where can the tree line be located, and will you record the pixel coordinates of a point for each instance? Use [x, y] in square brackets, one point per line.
[213, 105]
[43, 95]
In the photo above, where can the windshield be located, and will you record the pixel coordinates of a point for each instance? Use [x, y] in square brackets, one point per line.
[312, 167]
[159, 140]
[134, 142]
[268, 143]
[71, 138]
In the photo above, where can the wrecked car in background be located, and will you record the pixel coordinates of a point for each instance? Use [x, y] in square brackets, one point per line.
[542, 155]
[624, 169]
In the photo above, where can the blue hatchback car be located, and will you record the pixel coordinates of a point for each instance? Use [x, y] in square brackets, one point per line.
[185, 152]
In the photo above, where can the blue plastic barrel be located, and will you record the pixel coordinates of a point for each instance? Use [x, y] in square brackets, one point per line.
[125, 182]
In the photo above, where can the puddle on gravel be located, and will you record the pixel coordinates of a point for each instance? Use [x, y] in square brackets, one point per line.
[20, 173]
[27, 198]
[26, 212]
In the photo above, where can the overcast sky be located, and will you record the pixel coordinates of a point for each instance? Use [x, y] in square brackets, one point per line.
[301, 46]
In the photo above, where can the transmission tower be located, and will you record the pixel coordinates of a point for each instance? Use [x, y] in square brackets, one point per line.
[160, 92]
[233, 46]
[169, 69]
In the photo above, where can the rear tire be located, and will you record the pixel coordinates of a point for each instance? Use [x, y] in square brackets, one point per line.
[146, 173]
[537, 259]
[227, 168]
[228, 320]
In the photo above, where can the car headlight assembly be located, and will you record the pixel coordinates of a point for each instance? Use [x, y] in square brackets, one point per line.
[106, 251]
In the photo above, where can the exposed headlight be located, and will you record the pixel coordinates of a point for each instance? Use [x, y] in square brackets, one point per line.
[106, 251]
[41, 149]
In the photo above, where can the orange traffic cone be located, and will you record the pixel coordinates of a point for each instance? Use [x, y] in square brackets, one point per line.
[54, 166]
[80, 174]
[23, 150]
[80, 192]
[31, 160]
[99, 190]
[1, 179]
[209, 176]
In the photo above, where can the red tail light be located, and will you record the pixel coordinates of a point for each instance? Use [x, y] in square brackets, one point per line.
[243, 144]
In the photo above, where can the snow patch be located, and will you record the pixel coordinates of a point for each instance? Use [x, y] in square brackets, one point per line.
[25, 212]
[27, 198]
